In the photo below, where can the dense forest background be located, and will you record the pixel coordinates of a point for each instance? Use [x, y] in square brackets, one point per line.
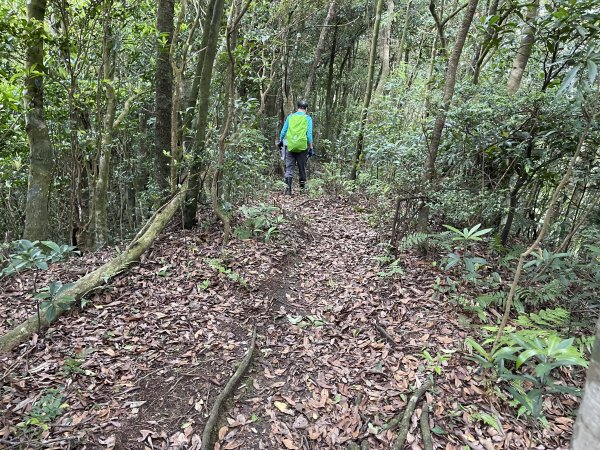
[468, 129]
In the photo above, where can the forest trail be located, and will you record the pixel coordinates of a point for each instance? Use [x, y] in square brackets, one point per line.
[339, 347]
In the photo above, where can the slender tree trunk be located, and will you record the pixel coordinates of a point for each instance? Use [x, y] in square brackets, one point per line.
[404, 30]
[524, 52]
[330, 90]
[320, 46]
[192, 100]
[213, 25]
[387, 37]
[101, 188]
[449, 85]
[40, 147]
[164, 94]
[367, 100]
[482, 49]
[586, 434]
[231, 42]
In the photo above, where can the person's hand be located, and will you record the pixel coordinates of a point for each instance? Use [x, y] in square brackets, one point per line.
[311, 152]
[280, 144]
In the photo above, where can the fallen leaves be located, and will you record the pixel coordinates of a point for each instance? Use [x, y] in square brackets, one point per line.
[143, 365]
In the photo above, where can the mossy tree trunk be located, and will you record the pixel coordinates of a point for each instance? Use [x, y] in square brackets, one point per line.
[214, 25]
[524, 52]
[40, 147]
[98, 277]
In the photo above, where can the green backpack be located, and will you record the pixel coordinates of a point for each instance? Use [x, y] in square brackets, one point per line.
[296, 133]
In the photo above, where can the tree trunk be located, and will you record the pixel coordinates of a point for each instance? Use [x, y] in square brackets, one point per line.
[404, 30]
[367, 100]
[214, 25]
[192, 100]
[40, 147]
[164, 93]
[449, 85]
[527, 40]
[586, 434]
[482, 50]
[387, 36]
[328, 127]
[319, 49]
[101, 186]
[98, 277]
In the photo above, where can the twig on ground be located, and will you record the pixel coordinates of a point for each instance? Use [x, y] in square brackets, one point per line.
[404, 420]
[385, 334]
[211, 423]
[425, 428]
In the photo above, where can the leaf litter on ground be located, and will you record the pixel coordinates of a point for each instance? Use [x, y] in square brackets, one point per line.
[340, 348]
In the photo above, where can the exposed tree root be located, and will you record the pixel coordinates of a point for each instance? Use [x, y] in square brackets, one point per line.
[98, 277]
[425, 428]
[213, 417]
[404, 420]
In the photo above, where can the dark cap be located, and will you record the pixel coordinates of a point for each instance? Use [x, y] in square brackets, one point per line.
[302, 104]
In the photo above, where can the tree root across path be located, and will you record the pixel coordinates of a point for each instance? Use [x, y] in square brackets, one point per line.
[404, 420]
[98, 277]
[211, 423]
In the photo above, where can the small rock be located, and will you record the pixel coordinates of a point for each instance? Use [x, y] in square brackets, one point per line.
[301, 422]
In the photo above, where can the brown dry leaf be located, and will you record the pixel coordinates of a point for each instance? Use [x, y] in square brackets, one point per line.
[289, 444]
[222, 432]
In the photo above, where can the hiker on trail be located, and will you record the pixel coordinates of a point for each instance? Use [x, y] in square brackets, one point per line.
[296, 142]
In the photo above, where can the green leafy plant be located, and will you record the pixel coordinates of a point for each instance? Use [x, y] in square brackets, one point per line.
[527, 357]
[54, 300]
[218, 265]
[34, 255]
[261, 221]
[45, 410]
[435, 363]
[306, 321]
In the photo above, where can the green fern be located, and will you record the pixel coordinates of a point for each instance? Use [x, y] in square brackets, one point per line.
[551, 319]
[442, 241]
[413, 240]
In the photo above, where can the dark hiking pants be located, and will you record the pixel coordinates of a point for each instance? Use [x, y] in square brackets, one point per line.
[293, 158]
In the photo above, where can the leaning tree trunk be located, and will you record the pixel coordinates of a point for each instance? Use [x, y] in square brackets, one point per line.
[164, 93]
[360, 142]
[214, 24]
[40, 147]
[320, 46]
[98, 277]
[586, 434]
[106, 141]
[524, 52]
[449, 85]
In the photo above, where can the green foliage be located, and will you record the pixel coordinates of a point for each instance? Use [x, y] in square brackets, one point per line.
[527, 356]
[437, 362]
[218, 265]
[45, 410]
[55, 299]
[261, 221]
[306, 321]
[36, 255]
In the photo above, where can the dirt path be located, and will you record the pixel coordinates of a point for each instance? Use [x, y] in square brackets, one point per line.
[339, 349]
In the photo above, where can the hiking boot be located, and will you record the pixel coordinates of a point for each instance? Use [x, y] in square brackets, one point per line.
[302, 186]
[288, 189]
